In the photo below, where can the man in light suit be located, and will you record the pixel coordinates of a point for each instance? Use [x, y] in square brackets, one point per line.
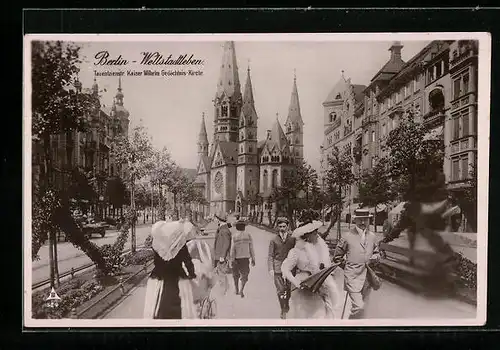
[360, 248]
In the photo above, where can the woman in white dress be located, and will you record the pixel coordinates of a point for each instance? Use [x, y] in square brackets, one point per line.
[304, 260]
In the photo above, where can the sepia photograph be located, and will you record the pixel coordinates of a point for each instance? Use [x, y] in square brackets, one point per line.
[256, 179]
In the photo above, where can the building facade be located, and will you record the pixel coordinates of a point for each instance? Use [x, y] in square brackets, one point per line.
[438, 86]
[90, 150]
[236, 168]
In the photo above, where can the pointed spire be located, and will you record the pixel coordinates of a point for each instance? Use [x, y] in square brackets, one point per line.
[248, 95]
[119, 93]
[294, 114]
[229, 81]
[95, 87]
[203, 129]
[203, 138]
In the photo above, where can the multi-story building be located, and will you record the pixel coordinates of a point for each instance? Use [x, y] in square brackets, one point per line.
[238, 167]
[438, 86]
[88, 150]
[340, 122]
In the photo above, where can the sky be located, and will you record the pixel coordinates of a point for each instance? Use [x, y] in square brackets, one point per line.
[171, 107]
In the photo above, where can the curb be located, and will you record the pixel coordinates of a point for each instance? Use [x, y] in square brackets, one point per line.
[95, 309]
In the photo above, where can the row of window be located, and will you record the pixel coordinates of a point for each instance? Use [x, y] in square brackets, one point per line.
[462, 125]
[460, 168]
[461, 85]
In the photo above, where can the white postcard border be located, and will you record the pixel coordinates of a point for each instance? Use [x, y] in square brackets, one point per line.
[484, 77]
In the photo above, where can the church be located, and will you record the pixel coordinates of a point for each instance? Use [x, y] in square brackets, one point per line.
[236, 168]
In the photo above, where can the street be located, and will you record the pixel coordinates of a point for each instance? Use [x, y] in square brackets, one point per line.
[70, 256]
[390, 301]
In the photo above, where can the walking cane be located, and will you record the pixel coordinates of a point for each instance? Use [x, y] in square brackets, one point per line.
[345, 304]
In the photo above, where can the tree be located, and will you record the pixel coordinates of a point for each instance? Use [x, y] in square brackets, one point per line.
[338, 179]
[301, 180]
[58, 107]
[133, 151]
[375, 187]
[161, 169]
[416, 161]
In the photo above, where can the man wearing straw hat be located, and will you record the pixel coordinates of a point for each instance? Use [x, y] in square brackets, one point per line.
[360, 248]
[279, 247]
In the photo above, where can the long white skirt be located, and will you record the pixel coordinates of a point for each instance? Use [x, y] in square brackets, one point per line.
[305, 304]
[154, 289]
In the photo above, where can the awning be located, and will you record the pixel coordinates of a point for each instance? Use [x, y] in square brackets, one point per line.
[434, 134]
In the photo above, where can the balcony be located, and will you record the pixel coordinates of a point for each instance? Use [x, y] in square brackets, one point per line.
[465, 52]
[462, 101]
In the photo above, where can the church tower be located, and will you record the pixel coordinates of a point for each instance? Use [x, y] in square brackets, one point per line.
[203, 139]
[294, 125]
[247, 169]
[228, 99]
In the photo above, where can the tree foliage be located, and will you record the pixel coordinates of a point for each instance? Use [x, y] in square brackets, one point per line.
[297, 190]
[338, 179]
[416, 162]
[375, 186]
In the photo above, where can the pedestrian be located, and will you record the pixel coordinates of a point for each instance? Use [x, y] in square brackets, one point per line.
[304, 260]
[279, 247]
[242, 254]
[222, 244]
[359, 248]
[169, 292]
[222, 250]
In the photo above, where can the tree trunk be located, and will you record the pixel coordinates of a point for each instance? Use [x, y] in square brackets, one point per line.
[51, 261]
[56, 260]
[132, 206]
[339, 233]
[176, 213]
[375, 219]
[47, 182]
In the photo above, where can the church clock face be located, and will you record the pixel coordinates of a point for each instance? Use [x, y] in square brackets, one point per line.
[218, 182]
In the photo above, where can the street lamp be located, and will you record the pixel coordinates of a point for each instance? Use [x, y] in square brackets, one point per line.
[53, 299]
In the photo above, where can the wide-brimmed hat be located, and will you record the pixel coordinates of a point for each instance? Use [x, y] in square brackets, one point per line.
[307, 228]
[361, 213]
[221, 216]
[170, 237]
[282, 219]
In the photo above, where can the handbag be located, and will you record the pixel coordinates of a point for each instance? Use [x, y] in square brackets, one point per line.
[373, 279]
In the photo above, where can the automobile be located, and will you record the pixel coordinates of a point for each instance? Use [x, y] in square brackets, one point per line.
[94, 228]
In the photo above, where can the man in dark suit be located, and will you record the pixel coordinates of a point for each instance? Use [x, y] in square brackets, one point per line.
[279, 247]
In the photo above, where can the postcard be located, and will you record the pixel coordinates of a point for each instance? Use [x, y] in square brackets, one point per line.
[256, 179]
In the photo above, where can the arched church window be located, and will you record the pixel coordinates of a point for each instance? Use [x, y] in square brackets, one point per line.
[233, 112]
[265, 180]
[338, 97]
[289, 128]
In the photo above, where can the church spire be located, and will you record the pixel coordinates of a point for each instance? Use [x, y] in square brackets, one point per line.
[294, 108]
[95, 87]
[203, 138]
[229, 81]
[248, 95]
[119, 93]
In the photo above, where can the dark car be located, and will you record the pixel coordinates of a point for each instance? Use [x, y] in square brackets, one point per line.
[94, 228]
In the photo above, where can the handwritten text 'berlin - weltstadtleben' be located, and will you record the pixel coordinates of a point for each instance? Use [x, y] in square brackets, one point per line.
[148, 59]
